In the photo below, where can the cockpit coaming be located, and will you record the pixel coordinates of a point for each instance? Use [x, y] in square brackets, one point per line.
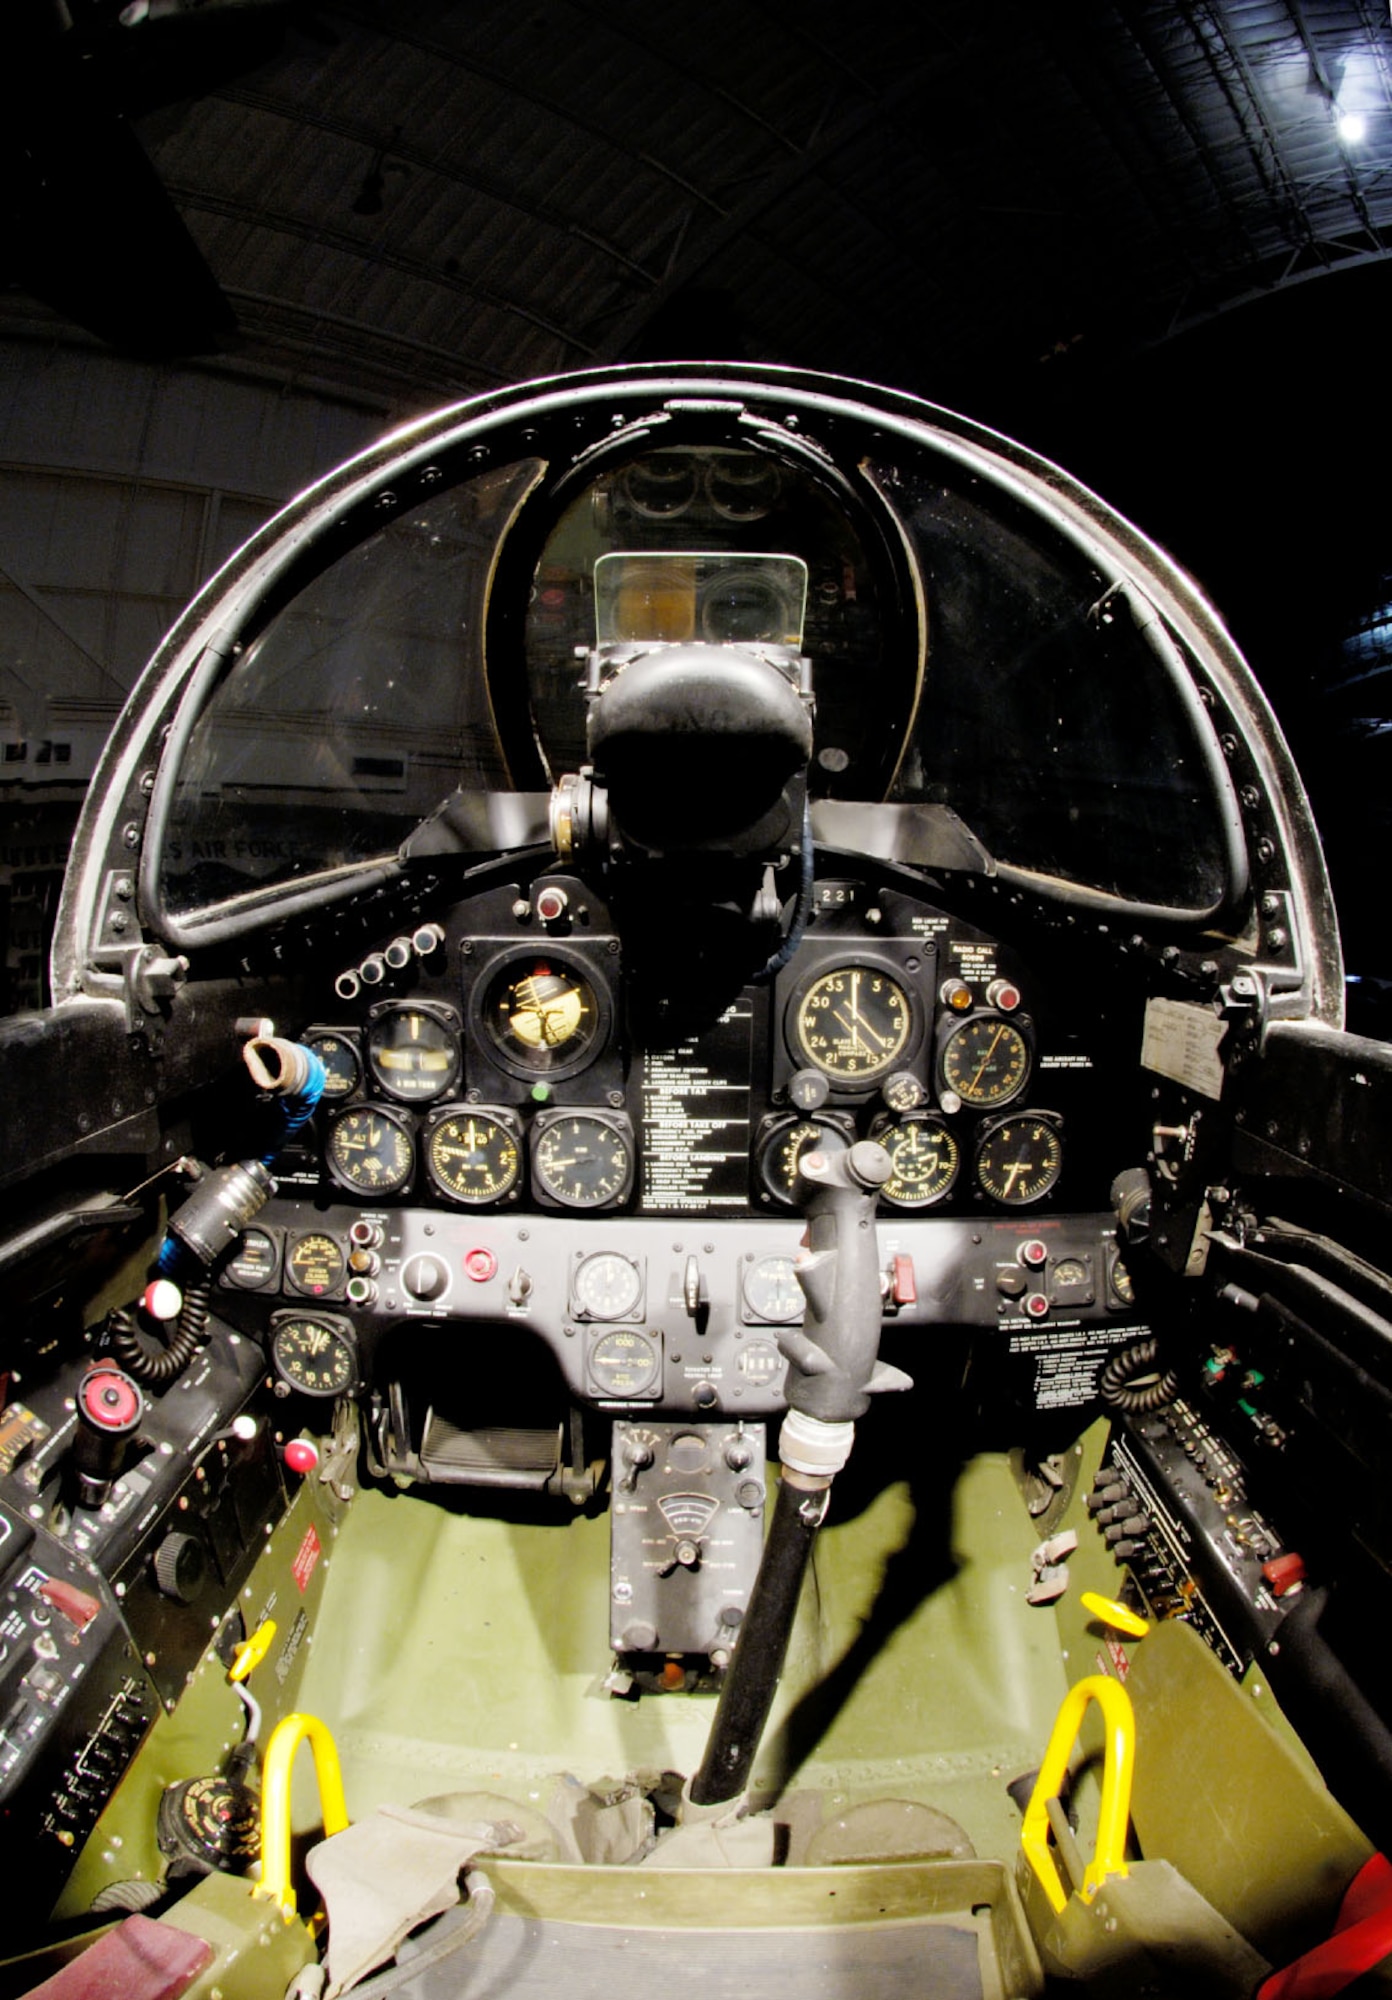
[622, 881]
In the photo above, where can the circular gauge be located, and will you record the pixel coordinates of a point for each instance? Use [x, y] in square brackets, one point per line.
[254, 1262]
[772, 1292]
[985, 1061]
[607, 1285]
[903, 1091]
[472, 1157]
[544, 1016]
[784, 1147]
[581, 1161]
[624, 1363]
[369, 1151]
[1019, 1160]
[342, 1070]
[925, 1158]
[314, 1356]
[854, 1023]
[412, 1055]
[315, 1263]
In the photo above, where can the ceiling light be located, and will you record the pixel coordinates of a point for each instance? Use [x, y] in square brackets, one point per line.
[1353, 127]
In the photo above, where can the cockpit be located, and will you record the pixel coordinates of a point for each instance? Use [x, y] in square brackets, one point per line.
[695, 1153]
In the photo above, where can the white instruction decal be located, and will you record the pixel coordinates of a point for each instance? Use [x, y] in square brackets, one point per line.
[1181, 1041]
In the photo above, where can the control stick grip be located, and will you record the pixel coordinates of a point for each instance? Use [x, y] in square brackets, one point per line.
[833, 1355]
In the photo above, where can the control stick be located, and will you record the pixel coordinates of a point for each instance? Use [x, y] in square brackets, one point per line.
[834, 1369]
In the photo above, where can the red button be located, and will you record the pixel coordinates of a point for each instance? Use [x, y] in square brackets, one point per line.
[1036, 1305]
[1034, 1253]
[904, 1289]
[480, 1265]
[302, 1456]
[110, 1400]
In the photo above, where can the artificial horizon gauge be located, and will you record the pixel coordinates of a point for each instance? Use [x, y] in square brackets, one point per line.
[783, 1148]
[854, 1023]
[472, 1156]
[1019, 1159]
[412, 1055]
[986, 1061]
[582, 1160]
[315, 1263]
[313, 1355]
[543, 1015]
[607, 1285]
[369, 1150]
[342, 1069]
[925, 1158]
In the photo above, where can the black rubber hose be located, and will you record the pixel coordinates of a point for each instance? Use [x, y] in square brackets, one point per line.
[1122, 1384]
[752, 1681]
[147, 1360]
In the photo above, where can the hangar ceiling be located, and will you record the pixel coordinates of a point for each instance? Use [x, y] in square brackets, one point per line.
[411, 200]
[1150, 238]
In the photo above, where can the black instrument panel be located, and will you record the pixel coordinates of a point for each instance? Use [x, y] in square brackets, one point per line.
[507, 1142]
[502, 1069]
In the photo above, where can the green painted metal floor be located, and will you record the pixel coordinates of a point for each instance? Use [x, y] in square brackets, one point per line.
[462, 1653]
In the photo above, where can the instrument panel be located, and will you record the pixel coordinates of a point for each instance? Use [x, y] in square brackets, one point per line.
[499, 1142]
[491, 1063]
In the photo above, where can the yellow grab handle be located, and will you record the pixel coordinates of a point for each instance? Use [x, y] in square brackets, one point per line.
[275, 1884]
[1117, 1769]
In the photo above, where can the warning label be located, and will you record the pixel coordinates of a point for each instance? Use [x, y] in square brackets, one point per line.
[306, 1557]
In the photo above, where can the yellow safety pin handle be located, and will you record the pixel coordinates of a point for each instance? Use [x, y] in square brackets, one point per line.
[1117, 1770]
[275, 1884]
[252, 1651]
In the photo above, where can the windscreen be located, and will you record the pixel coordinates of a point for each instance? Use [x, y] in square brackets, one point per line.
[1049, 723]
[356, 710]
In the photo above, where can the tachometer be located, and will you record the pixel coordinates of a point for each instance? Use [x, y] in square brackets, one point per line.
[985, 1061]
[582, 1160]
[413, 1055]
[369, 1151]
[1019, 1159]
[854, 1023]
[471, 1156]
[925, 1158]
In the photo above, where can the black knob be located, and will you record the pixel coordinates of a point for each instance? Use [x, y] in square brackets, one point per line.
[179, 1566]
[425, 1277]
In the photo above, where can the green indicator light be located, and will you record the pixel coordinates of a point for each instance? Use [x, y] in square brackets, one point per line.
[541, 1093]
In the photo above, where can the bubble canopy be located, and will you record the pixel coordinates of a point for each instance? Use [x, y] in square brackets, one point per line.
[987, 644]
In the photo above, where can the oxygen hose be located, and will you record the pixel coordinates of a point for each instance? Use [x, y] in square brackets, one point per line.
[218, 1208]
[834, 1369]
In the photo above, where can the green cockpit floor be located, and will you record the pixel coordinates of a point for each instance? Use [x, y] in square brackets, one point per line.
[462, 1652]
